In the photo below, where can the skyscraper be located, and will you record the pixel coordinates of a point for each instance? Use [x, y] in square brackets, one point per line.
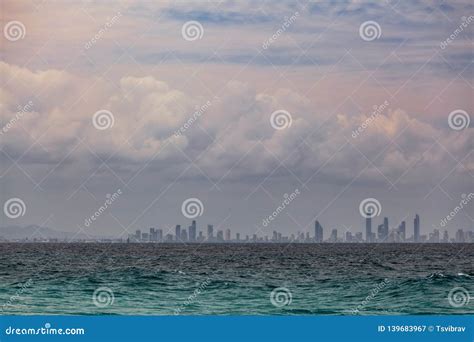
[192, 231]
[153, 235]
[416, 226]
[380, 232]
[177, 232]
[445, 236]
[434, 236]
[210, 232]
[159, 235]
[460, 235]
[275, 236]
[318, 232]
[227, 234]
[383, 233]
[402, 231]
[368, 228]
[333, 237]
[349, 237]
[184, 235]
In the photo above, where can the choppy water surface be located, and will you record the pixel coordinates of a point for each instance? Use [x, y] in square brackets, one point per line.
[156, 279]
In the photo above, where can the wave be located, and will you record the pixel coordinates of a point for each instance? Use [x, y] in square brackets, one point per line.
[442, 276]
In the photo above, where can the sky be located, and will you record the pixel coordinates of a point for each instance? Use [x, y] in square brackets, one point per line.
[240, 105]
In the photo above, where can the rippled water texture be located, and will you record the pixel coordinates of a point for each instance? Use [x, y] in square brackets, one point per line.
[155, 279]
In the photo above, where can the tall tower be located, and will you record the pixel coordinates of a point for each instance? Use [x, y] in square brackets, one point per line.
[385, 229]
[177, 232]
[368, 228]
[318, 232]
[210, 232]
[402, 231]
[416, 226]
[192, 231]
[380, 233]
[227, 234]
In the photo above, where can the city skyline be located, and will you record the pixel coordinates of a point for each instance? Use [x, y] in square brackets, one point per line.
[384, 234]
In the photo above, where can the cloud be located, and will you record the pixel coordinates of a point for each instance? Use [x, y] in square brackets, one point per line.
[230, 137]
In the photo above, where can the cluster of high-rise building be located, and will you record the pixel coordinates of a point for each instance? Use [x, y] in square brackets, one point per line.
[182, 235]
[383, 234]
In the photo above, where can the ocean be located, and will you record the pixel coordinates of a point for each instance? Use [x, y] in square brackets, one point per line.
[236, 279]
